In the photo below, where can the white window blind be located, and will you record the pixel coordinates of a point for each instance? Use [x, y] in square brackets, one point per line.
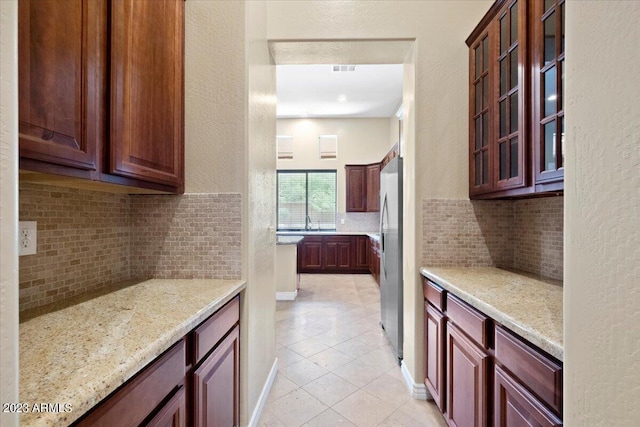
[328, 145]
[307, 200]
[284, 144]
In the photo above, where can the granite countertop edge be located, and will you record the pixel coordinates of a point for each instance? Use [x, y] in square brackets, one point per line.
[524, 330]
[40, 382]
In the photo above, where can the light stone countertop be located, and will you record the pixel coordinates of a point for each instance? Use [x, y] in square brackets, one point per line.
[80, 354]
[526, 304]
[325, 233]
[288, 240]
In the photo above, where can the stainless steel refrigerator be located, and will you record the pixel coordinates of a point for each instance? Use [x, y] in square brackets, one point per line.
[391, 253]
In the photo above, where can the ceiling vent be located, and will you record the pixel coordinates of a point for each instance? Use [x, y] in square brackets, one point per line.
[341, 68]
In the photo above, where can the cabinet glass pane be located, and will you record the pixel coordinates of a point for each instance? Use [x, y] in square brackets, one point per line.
[478, 97]
[549, 146]
[513, 109]
[503, 76]
[478, 168]
[485, 91]
[550, 38]
[514, 68]
[514, 23]
[513, 153]
[561, 100]
[503, 160]
[478, 133]
[548, 4]
[550, 94]
[562, 28]
[478, 63]
[485, 129]
[503, 118]
[485, 166]
[504, 44]
[485, 53]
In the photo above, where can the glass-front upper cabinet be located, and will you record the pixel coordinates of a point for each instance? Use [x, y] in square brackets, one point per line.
[548, 90]
[481, 169]
[511, 95]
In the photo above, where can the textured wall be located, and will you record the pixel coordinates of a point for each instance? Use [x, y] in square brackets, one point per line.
[602, 192]
[83, 242]
[8, 208]
[538, 236]
[193, 236]
[360, 141]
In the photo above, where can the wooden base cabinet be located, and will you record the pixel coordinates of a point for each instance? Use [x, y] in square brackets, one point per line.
[434, 326]
[174, 412]
[515, 406]
[467, 370]
[333, 254]
[216, 385]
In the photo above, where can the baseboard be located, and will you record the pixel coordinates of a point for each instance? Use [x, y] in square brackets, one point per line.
[262, 400]
[418, 390]
[286, 296]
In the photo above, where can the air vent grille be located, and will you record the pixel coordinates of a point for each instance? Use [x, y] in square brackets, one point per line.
[343, 68]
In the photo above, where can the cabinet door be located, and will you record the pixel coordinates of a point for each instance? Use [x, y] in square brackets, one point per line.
[373, 188]
[548, 91]
[356, 182]
[514, 406]
[362, 257]
[216, 385]
[337, 253]
[61, 46]
[434, 325]
[173, 413]
[147, 90]
[310, 255]
[467, 372]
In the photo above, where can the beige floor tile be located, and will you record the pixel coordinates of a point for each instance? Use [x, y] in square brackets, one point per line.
[290, 337]
[401, 419]
[331, 359]
[330, 389]
[287, 357]
[308, 347]
[303, 372]
[331, 338]
[296, 408]
[375, 336]
[389, 389]
[328, 418]
[268, 419]
[355, 347]
[425, 411]
[381, 357]
[363, 409]
[281, 386]
[359, 373]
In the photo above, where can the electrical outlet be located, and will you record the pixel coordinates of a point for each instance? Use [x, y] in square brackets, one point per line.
[28, 237]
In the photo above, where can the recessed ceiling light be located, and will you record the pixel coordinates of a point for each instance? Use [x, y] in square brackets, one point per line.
[304, 113]
[342, 98]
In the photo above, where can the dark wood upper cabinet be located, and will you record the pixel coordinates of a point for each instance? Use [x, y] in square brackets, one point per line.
[363, 188]
[61, 46]
[373, 188]
[515, 105]
[147, 90]
[356, 181]
[81, 119]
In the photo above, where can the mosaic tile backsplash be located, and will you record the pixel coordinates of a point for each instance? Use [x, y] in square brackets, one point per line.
[88, 240]
[523, 234]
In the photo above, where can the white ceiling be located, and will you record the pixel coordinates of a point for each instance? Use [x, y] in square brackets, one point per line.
[372, 90]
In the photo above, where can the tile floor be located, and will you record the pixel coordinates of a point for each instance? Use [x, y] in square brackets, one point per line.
[335, 363]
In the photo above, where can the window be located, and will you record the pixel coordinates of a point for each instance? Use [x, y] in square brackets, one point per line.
[307, 200]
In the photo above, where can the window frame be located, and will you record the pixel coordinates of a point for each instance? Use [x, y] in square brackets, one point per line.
[306, 197]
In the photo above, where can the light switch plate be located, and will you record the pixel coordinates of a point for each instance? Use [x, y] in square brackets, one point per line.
[28, 237]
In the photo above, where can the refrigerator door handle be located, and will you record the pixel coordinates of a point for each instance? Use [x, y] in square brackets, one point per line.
[382, 249]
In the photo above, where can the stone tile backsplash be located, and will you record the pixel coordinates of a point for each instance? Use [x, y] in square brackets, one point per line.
[193, 236]
[88, 240]
[523, 234]
[358, 221]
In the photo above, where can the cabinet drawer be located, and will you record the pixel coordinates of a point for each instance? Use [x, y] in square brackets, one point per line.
[130, 405]
[207, 335]
[538, 372]
[434, 294]
[475, 324]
